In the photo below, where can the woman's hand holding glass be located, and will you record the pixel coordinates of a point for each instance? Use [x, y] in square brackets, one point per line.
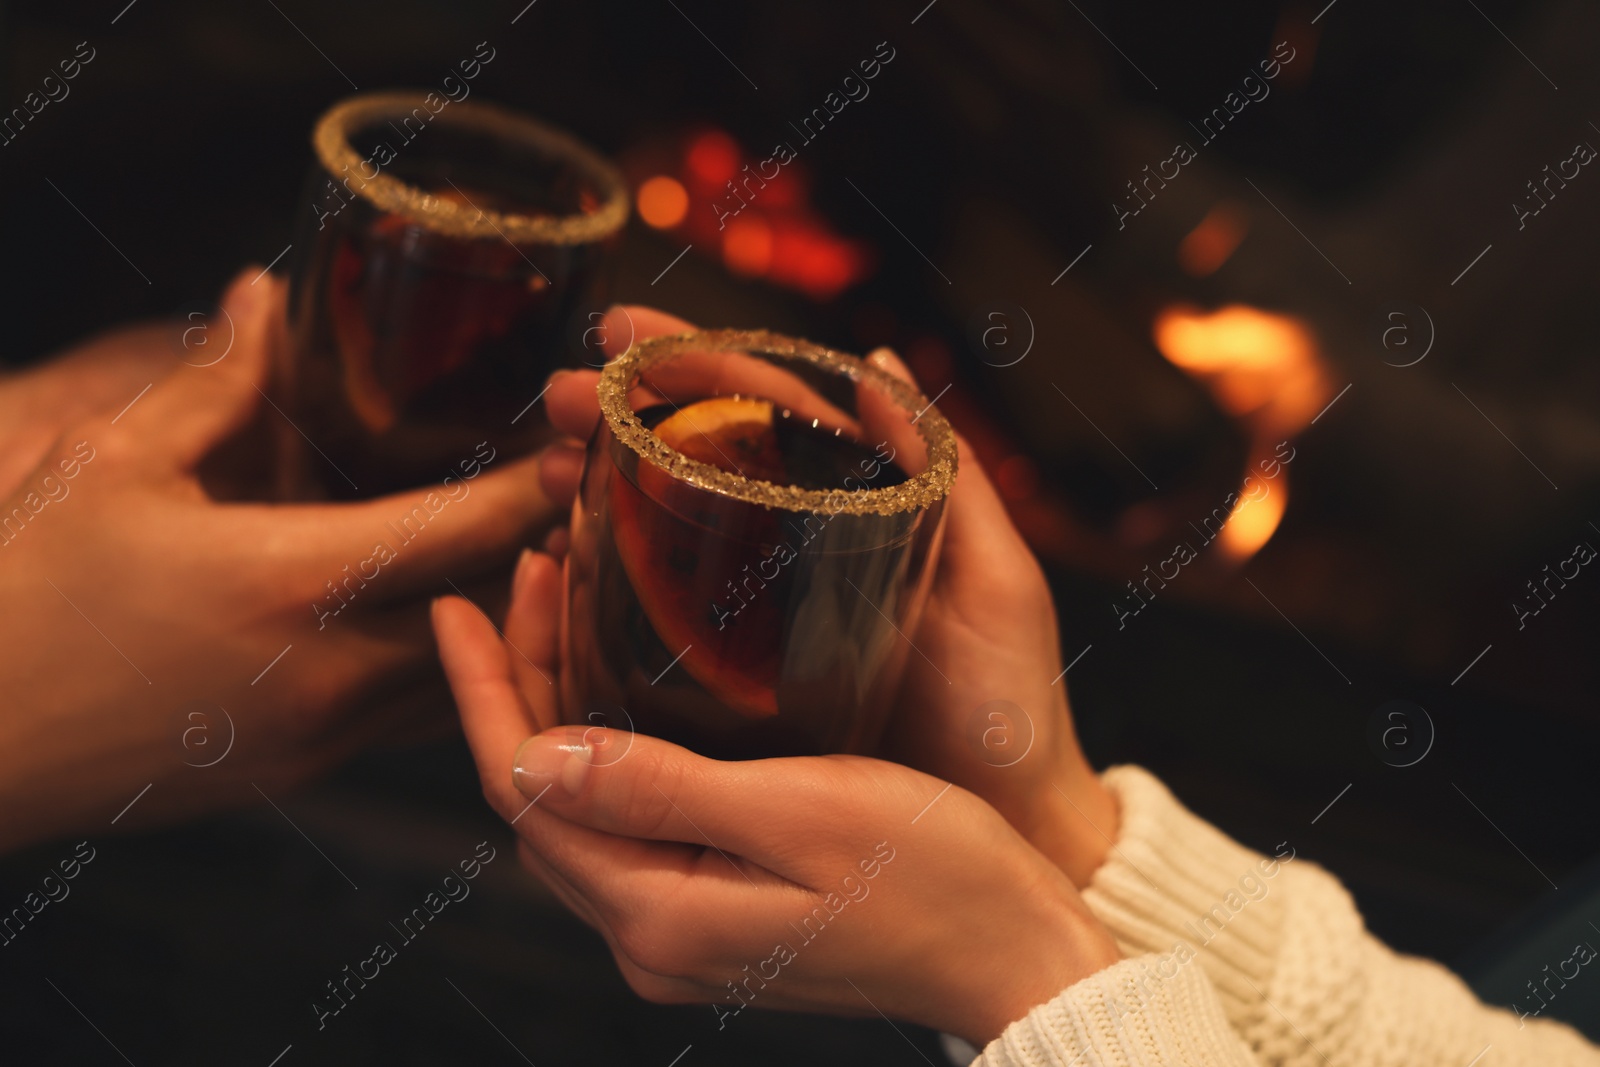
[701, 874]
[984, 703]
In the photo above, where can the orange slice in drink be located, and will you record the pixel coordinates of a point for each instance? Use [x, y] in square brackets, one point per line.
[682, 559]
[731, 432]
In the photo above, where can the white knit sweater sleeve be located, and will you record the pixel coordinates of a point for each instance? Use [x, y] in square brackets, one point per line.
[1297, 974]
[1125, 1015]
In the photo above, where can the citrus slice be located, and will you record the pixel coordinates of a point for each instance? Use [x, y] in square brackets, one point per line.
[733, 433]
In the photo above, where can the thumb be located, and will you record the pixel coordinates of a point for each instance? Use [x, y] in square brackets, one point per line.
[224, 363]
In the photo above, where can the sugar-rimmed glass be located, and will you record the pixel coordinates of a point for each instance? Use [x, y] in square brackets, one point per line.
[753, 542]
[451, 255]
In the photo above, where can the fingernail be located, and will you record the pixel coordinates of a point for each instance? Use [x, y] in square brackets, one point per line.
[548, 382]
[885, 359]
[519, 578]
[556, 543]
[546, 761]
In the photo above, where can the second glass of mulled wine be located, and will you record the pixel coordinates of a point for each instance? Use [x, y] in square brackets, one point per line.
[451, 255]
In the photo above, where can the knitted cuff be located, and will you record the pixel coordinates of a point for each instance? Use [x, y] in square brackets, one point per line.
[1140, 1011]
[1175, 885]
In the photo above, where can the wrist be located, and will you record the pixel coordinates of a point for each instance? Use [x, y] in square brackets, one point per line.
[1074, 824]
[1063, 945]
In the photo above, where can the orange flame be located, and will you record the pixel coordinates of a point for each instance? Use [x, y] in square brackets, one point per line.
[1254, 519]
[1260, 366]
[1264, 369]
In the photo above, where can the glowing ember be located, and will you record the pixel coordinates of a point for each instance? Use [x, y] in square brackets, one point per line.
[747, 247]
[663, 202]
[759, 223]
[713, 157]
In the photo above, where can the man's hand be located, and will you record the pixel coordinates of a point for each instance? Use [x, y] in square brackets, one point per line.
[149, 627]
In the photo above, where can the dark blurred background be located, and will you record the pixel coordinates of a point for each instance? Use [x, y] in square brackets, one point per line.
[1441, 459]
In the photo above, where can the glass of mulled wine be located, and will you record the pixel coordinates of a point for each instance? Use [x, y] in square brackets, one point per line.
[755, 535]
[450, 256]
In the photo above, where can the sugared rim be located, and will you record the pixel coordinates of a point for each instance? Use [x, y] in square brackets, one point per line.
[920, 491]
[331, 139]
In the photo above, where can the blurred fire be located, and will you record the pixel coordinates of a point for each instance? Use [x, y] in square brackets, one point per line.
[1260, 366]
[713, 158]
[706, 188]
[1253, 521]
[1264, 369]
[1209, 244]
